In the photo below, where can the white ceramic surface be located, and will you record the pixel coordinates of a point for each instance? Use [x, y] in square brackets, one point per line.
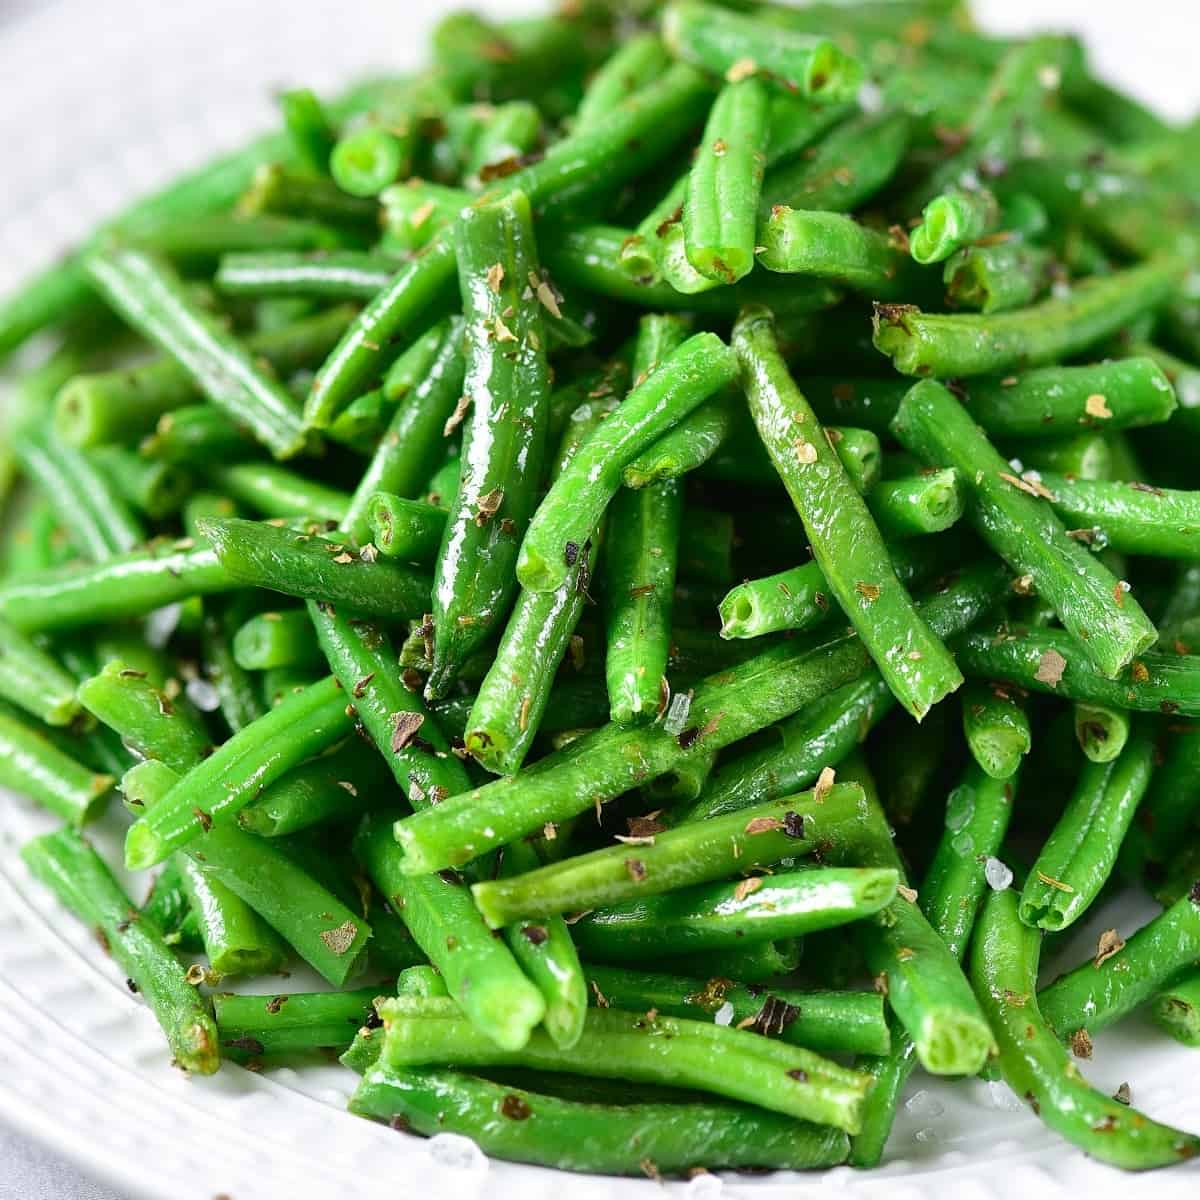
[102, 100]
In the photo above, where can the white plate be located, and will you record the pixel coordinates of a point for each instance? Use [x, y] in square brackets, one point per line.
[103, 100]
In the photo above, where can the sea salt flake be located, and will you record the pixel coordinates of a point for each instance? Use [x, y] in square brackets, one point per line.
[998, 875]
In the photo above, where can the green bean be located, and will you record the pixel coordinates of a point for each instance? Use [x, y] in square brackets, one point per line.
[152, 721]
[795, 123]
[650, 121]
[683, 784]
[363, 661]
[166, 907]
[914, 505]
[31, 679]
[687, 446]
[256, 1027]
[755, 963]
[609, 761]
[1124, 974]
[96, 518]
[640, 558]
[1078, 857]
[309, 129]
[828, 1022]
[515, 691]
[156, 489]
[195, 436]
[328, 935]
[480, 972]
[276, 639]
[226, 781]
[277, 189]
[68, 865]
[197, 243]
[997, 276]
[996, 727]
[416, 211]
[276, 491]
[123, 586]
[263, 555]
[1132, 518]
[36, 542]
[725, 181]
[237, 693]
[325, 274]
[366, 160]
[331, 788]
[1084, 456]
[799, 241]
[721, 916]
[149, 295]
[546, 952]
[1176, 1010]
[428, 390]
[799, 598]
[572, 509]
[845, 542]
[409, 530]
[581, 1136]
[696, 853]
[31, 764]
[504, 438]
[1167, 811]
[848, 166]
[817, 737]
[121, 405]
[921, 343]
[976, 821]
[954, 219]
[587, 257]
[1101, 731]
[1004, 970]
[507, 133]
[362, 423]
[1009, 513]
[635, 64]
[625, 1045]
[1031, 657]
[733, 45]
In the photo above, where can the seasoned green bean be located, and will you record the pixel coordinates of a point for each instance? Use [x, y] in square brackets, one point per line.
[276, 639]
[31, 764]
[996, 727]
[257, 1027]
[1101, 731]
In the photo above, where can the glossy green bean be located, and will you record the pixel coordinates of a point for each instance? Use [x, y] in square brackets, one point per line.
[954, 219]
[634, 64]
[846, 544]
[326, 274]
[263, 1026]
[944, 346]
[626, 1045]
[1167, 811]
[78, 876]
[155, 489]
[275, 491]
[508, 383]
[31, 679]
[996, 727]
[409, 530]
[1079, 855]
[276, 639]
[226, 781]
[571, 510]
[687, 446]
[997, 277]
[32, 765]
[1128, 973]
[1176, 1010]
[1012, 516]
[121, 405]
[480, 971]
[151, 298]
[577, 1135]
[1101, 731]
[1004, 969]
[261, 554]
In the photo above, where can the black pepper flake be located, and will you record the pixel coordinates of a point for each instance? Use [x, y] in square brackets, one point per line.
[636, 869]
[1194, 894]
[536, 934]
[275, 1004]
[131, 984]
[451, 876]
[400, 1123]
[793, 824]
[204, 818]
[774, 1017]
[687, 737]
[374, 1020]
[247, 1045]
[799, 1074]
[515, 1108]
[571, 553]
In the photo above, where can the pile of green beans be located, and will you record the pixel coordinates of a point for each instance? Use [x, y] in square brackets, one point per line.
[646, 566]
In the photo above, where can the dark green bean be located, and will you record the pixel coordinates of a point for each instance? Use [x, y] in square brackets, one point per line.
[257, 1027]
[31, 764]
[996, 727]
